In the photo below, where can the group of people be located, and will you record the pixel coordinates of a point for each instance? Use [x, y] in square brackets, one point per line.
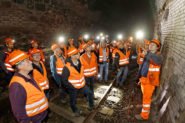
[75, 69]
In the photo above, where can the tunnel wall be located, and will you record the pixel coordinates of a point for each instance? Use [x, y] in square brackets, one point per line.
[19, 20]
[170, 29]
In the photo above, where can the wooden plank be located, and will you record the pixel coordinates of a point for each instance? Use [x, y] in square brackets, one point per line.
[65, 113]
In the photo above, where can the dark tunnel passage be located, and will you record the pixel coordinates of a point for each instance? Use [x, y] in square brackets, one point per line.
[92, 61]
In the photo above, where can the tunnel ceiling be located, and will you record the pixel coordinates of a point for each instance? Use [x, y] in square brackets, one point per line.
[124, 15]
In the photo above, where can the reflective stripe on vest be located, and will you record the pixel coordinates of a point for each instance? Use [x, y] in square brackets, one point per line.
[9, 67]
[59, 66]
[141, 59]
[89, 64]
[41, 80]
[146, 105]
[36, 107]
[153, 74]
[88, 72]
[76, 78]
[36, 101]
[154, 69]
[77, 83]
[123, 60]
[145, 111]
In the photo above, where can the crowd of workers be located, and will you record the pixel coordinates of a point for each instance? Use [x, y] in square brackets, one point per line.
[74, 68]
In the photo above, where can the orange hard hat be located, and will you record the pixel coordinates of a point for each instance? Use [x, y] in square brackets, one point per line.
[147, 42]
[34, 51]
[9, 41]
[54, 46]
[72, 51]
[17, 56]
[156, 42]
[33, 41]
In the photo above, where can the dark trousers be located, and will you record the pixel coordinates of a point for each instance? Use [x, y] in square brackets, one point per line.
[90, 83]
[122, 75]
[73, 96]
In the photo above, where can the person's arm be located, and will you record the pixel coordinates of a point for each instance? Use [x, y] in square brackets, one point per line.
[65, 76]
[156, 59]
[17, 95]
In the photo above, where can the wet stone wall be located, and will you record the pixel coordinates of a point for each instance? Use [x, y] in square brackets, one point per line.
[170, 29]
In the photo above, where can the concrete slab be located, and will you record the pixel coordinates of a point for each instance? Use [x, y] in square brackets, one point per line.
[107, 111]
[113, 99]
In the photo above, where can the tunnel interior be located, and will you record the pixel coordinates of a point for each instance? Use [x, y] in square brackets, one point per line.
[46, 20]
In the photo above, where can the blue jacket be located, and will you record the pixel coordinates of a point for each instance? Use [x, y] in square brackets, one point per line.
[56, 76]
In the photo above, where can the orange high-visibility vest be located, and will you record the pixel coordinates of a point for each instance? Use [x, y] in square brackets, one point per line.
[75, 78]
[154, 74]
[140, 57]
[101, 54]
[59, 65]
[36, 101]
[41, 78]
[123, 60]
[114, 52]
[90, 68]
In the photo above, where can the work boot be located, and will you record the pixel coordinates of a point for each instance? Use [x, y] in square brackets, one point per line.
[138, 117]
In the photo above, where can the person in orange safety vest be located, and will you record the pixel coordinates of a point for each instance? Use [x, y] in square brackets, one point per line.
[149, 77]
[103, 61]
[57, 63]
[121, 61]
[9, 42]
[74, 80]
[28, 101]
[39, 70]
[89, 62]
[34, 45]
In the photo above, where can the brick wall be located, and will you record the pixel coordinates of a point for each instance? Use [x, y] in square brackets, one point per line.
[170, 29]
[24, 23]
